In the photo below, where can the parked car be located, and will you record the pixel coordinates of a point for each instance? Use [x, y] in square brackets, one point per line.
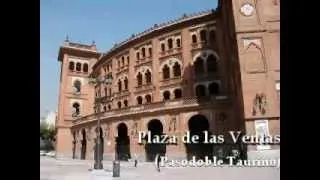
[42, 153]
[51, 154]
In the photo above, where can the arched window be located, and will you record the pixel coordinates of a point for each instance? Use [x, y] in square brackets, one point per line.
[148, 98]
[126, 83]
[109, 107]
[128, 58]
[122, 61]
[170, 44]
[194, 38]
[143, 50]
[125, 102]
[198, 66]
[78, 66]
[138, 55]
[71, 66]
[139, 100]
[119, 64]
[203, 35]
[76, 109]
[77, 86]
[214, 89]
[85, 67]
[177, 93]
[212, 63]
[105, 91]
[105, 108]
[119, 86]
[200, 91]
[148, 76]
[98, 92]
[163, 47]
[110, 92]
[166, 95]
[212, 36]
[166, 72]
[119, 104]
[178, 42]
[176, 69]
[150, 51]
[139, 79]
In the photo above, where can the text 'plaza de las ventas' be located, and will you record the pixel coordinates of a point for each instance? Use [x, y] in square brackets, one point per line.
[216, 70]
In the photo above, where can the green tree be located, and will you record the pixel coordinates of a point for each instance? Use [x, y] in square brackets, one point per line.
[47, 132]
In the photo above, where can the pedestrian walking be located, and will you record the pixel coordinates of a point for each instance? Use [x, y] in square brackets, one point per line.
[135, 160]
[158, 162]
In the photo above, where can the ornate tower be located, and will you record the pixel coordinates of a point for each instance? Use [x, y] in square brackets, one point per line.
[252, 39]
[75, 95]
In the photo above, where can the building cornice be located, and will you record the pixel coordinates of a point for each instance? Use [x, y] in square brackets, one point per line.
[158, 107]
[88, 51]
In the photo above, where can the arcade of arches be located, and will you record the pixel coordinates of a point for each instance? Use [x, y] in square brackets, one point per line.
[120, 141]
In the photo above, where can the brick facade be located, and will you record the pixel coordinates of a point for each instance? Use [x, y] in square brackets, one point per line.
[217, 64]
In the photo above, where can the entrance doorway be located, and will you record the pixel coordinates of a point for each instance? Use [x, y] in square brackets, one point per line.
[197, 125]
[83, 145]
[122, 143]
[152, 149]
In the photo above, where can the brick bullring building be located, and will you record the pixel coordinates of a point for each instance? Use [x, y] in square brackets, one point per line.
[217, 70]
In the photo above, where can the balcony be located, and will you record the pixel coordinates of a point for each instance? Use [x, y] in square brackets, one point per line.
[143, 61]
[72, 117]
[78, 73]
[121, 94]
[172, 81]
[122, 69]
[104, 99]
[159, 106]
[85, 118]
[97, 99]
[201, 45]
[75, 93]
[206, 76]
[143, 88]
[170, 52]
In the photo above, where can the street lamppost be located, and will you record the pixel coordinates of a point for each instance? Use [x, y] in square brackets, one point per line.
[98, 81]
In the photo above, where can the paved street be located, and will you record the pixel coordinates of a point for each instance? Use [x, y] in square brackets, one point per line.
[52, 169]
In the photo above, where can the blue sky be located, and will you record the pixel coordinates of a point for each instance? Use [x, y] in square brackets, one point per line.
[104, 21]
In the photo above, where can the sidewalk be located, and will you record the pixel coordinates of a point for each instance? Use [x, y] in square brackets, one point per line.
[52, 169]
